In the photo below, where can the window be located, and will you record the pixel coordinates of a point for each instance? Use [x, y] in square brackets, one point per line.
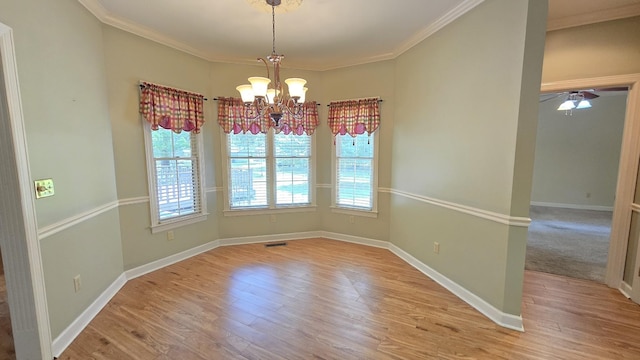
[269, 171]
[175, 183]
[355, 172]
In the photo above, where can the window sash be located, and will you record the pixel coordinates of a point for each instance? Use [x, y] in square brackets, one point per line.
[355, 172]
[177, 187]
[174, 168]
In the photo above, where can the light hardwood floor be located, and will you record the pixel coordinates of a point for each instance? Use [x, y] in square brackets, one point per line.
[323, 299]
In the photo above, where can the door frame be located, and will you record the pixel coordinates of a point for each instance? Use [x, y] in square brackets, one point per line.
[627, 171]
[20, 245]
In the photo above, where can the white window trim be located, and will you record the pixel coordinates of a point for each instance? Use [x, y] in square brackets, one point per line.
[347, 210]
[158, 225]
[271, 207]
[269, 211]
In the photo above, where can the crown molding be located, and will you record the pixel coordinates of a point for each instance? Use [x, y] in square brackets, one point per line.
[594, 17]
[443, 21]
[106, 17]
[96, 8]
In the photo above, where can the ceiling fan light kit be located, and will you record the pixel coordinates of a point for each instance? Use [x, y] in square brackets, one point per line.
[577, 100]
[266, 95]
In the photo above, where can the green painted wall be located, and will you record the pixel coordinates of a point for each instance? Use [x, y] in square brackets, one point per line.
[577, 155]
[130, 59]
[368, 80]
[88, 250]
[64, 98]
[464, 132]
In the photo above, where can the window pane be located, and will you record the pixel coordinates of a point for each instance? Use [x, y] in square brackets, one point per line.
[292, 145]
[247, 170]
[181, 144]
[176, 188]
[161, 141]
[354, 171]
[360, 146]
[292, 181]
[167, 144]
[247, 145]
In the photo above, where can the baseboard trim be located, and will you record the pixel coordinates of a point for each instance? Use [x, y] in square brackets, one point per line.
[355, 239]
[169, 260]
[501, 318]
[625, 289]
[68, 335]
[267, 238]
[573, 206]
[72, 331]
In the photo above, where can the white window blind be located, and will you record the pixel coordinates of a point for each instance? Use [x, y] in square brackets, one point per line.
[355, 172]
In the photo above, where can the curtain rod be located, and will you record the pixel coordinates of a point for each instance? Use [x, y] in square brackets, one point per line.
[379, 100]
[216, 99]
[141, 85]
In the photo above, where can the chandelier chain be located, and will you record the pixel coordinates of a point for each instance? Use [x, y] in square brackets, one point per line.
[273, 27]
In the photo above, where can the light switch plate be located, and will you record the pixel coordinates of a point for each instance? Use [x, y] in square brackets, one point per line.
[44, 188]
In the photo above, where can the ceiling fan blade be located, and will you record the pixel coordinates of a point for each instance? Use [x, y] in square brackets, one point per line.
[617, 88]
[589, 95]
[547, 97]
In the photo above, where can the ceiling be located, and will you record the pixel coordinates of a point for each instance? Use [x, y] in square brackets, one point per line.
[318, 34]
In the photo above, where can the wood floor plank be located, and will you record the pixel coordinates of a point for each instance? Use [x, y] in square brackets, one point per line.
[324, 299]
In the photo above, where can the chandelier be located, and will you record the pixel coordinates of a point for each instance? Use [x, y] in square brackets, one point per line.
[266, 95]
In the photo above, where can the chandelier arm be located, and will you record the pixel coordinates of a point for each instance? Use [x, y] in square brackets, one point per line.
[294, 109]
[265, 65]
[251, 114]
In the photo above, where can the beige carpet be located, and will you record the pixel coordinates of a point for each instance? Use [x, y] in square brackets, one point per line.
[569, 242]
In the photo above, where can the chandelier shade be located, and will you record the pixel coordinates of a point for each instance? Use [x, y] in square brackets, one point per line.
[266, 95]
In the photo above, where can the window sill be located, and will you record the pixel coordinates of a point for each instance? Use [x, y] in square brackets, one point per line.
[268, 211]
[354, 212]
[177, 222]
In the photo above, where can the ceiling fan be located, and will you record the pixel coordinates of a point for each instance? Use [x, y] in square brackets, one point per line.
[587, 94]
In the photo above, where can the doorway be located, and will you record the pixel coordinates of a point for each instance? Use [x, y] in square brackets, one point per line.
[627, 176]
[18, 229]
[574, 181]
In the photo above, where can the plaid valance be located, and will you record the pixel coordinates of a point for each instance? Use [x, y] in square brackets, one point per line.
[354, 117]
[172, 109]
[232, 118]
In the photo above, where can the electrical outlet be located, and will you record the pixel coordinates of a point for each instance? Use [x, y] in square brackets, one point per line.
[352, 219]
[77, 283]
[436, 247]
[170, 235]
[273, 218]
